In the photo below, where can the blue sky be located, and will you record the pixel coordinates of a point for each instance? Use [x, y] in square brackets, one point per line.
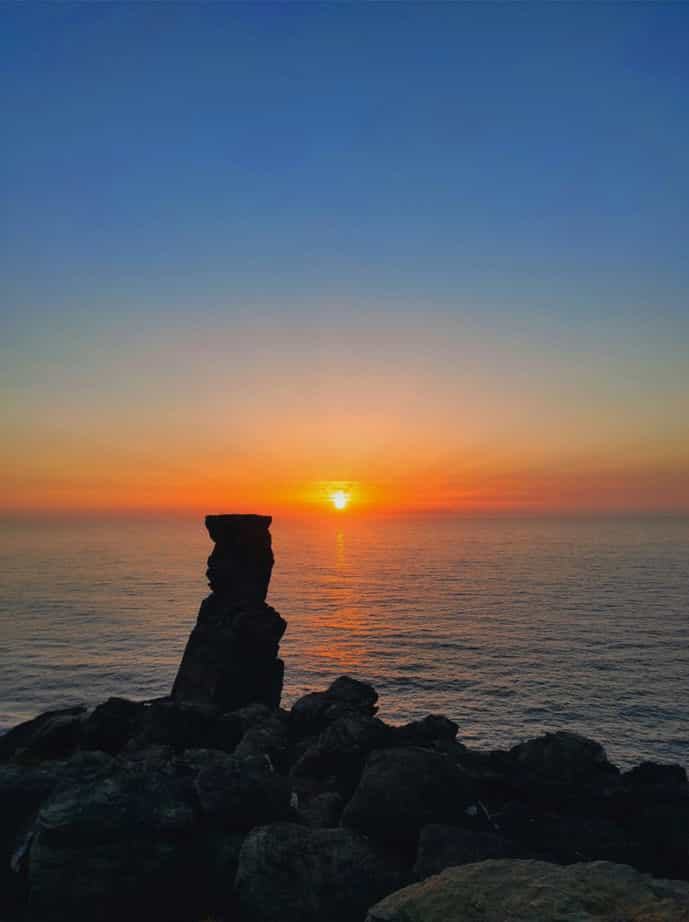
[487, 173]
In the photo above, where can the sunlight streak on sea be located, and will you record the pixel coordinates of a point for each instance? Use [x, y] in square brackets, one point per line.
[510, 627]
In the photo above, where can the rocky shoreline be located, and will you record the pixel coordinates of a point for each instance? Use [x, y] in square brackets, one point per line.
[215, 803]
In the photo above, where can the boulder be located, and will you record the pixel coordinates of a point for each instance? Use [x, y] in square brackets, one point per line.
[238, 794]
[178, 724]
[653, 773]
[562, 758]
[433, 730]
[112, 849]
[267, 737]
[112, 724]
[340, 751]
[314, 712]
[402, 790]
[443, 847]
[562, 838]
[322, 811]
[52, 735]
[290, 873]
[22, 790]
[535, 891]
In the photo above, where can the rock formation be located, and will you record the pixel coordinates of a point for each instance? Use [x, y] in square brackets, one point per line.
[214, 802]
[231, 656]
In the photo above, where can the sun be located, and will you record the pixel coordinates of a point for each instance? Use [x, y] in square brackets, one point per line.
[339, 499]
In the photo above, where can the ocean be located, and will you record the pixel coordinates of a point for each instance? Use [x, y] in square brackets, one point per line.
[511, 627]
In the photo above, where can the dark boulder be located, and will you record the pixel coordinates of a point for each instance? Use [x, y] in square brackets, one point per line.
[443, 847]
[322, 811]
[240, 793]
[433, 730]
[178, 724]
[290, 873]
[112, 724]
[340, 751]
[112, 849]
[562, 758]
[52, 735]
[22, 790]
[314, 712]
[402, 790]
[267, 737]
[653, 773]
[562, 838]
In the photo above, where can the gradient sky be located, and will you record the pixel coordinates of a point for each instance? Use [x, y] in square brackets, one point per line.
[435, 254]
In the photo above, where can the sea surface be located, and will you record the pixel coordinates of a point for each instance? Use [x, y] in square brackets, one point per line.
[510, 627]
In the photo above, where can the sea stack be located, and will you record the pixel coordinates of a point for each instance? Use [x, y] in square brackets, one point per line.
[231, 657]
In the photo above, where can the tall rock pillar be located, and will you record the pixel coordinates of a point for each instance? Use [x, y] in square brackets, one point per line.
[231, 657]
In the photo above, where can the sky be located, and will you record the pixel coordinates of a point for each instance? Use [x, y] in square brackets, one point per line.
[434, 255]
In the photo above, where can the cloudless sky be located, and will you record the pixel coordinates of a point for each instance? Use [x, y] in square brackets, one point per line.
[435, 253]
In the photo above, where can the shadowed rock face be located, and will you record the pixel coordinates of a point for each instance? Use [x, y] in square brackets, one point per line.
[240, 565]
[231, 658]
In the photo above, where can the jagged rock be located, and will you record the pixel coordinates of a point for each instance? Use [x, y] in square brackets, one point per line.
[178, 724]
[268, 738]
[231, 657]
[241, 562]
[402, 790]
[241, 793]
[22, 790]
[112, 724]
[312, 713]
[290, 873]
[562, 757]
[648, 773]
[340, 751]
[51, 735]
[443, 847]
[534, 891]
[433, 729]
[109, 848]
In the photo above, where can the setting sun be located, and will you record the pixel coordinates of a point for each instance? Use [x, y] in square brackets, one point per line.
[339, 499]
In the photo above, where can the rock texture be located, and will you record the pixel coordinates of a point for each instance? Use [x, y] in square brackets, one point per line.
[216, 803]
[289, 873]
[231, 658]
[534, 891]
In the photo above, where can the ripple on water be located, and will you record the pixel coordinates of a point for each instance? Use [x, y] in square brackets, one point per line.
[509, 627]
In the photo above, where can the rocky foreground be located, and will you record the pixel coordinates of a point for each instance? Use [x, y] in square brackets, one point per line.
[216, 803]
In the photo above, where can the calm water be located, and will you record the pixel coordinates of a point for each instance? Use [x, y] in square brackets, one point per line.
[509, 627]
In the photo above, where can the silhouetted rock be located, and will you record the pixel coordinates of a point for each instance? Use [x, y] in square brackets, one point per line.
[149, 809]
[241, 793]
[402, 790]
[534, 891]
[443, 847]
[231, 658]
[562, 757]
[108, 848]
[290, 873]
[432, 730]
[341, 750]
[653, 773]
[112, 724]
[51, 735]
[312, 713]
